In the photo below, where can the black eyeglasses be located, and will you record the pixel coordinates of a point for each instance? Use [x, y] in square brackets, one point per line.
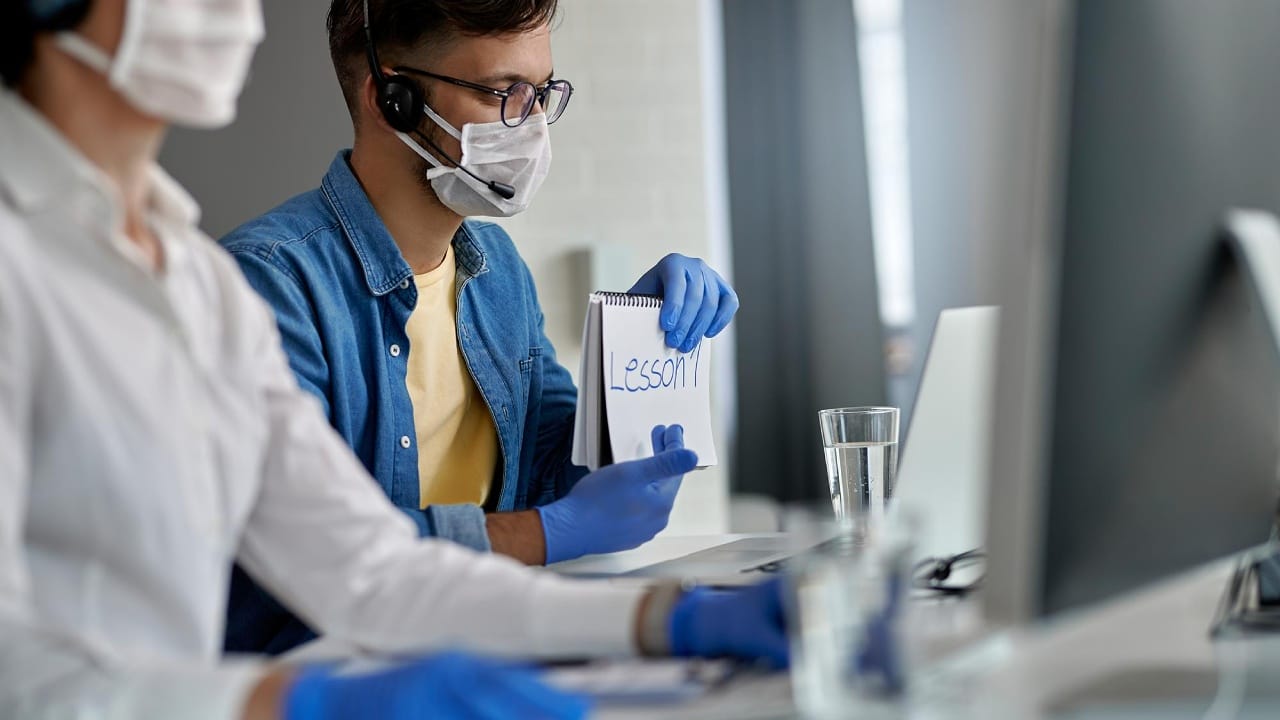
[517, 100]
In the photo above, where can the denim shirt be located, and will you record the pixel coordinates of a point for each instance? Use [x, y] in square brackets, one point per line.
[342, 293]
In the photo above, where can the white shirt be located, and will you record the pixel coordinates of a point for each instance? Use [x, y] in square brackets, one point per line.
[151, 431]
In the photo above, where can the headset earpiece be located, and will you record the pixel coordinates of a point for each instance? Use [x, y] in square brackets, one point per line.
[400, 100]
[55, 15]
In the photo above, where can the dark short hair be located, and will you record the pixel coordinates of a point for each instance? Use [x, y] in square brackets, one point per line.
[399, 26]
[17, 41]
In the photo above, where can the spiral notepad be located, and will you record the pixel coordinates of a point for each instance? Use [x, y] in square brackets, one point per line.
[631, 381]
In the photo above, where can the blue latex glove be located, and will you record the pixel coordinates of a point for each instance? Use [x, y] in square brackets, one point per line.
[451, 685]
[620, 506]
[745, 623]
[878, 658]
[696, 301]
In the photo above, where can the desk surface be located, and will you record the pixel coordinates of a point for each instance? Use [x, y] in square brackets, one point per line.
[1145, 655]
[1148, 648]
[655, 551]
[1120, 659]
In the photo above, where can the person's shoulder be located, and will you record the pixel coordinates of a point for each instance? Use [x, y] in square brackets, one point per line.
[214, 264]
[15, 237]
[302, 225]
[18, 259]
[489, 235]
[499, 249]
[237, 305]
[24, 275]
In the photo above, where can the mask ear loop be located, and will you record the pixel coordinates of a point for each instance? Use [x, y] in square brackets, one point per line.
[86, 52]
[436, 163]
[135, 13]
[437, 168]
[435, 118]
[114, 67]
[447, 127]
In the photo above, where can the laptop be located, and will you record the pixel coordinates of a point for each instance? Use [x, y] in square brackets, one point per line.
[942, 473]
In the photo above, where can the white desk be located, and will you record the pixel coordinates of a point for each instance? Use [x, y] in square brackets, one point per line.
[940, 627]
[655, 551]
[1145, 655]
[1152, 644]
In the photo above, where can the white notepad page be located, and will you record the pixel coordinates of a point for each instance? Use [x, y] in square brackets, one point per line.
[642, 383]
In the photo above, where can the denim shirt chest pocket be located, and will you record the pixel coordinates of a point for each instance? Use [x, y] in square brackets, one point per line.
[529, 364]
[531, 373]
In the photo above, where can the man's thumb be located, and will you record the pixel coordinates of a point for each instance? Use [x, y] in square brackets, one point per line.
[669, 463]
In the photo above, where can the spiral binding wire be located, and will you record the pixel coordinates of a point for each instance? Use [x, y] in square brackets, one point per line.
[629, 299]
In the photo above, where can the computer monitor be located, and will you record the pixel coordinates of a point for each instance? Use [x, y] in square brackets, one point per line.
[1138, 425]
[943, 468]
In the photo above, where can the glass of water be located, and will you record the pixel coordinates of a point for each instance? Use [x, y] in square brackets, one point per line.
[845, 604]
[861, 445]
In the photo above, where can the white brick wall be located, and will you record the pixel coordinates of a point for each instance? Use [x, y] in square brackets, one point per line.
[636, 166]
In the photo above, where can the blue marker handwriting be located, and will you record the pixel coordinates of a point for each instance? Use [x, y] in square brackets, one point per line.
[643, 375]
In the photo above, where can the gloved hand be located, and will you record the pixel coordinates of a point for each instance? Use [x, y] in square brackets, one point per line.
[620, 506]
[878, 658]
[746, 623]
[451, 685]
[696, 301]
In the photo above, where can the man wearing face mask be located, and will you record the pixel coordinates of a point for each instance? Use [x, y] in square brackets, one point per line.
[418, 328]
[151, 431]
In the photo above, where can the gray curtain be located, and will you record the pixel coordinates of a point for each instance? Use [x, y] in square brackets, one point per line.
[809, 333]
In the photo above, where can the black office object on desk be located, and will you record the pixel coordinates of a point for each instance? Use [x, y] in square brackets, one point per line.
[1250, 604]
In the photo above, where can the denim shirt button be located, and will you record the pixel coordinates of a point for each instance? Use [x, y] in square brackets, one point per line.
[404, 284]
[404, 441]
[395, 351]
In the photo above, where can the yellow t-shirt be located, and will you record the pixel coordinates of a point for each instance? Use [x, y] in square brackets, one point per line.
[457, 442]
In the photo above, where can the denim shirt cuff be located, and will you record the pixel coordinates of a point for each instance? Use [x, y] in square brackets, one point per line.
[463, 524]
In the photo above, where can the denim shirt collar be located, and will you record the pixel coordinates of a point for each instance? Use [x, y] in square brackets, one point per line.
[384, 265]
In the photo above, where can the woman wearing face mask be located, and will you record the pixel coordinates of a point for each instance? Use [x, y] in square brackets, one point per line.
[151, 431]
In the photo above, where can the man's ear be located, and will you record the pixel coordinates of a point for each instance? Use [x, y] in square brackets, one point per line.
[371, 116]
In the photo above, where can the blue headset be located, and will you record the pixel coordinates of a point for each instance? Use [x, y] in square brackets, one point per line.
[53, 15]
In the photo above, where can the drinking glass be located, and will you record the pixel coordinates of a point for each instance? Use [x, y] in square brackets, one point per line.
[861, 447]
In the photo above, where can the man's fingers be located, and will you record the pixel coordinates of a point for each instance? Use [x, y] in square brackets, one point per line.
[728, 308]
[668, 463]
[695, 289]
[673, 437]
[706, 313]
[659, 438]
[775, 649]
[534, 698]
[674, 287]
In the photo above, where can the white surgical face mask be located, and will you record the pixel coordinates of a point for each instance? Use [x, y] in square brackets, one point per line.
[518, 156]
[182, 61]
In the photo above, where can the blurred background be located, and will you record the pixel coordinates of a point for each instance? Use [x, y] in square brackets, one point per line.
[852, 166]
